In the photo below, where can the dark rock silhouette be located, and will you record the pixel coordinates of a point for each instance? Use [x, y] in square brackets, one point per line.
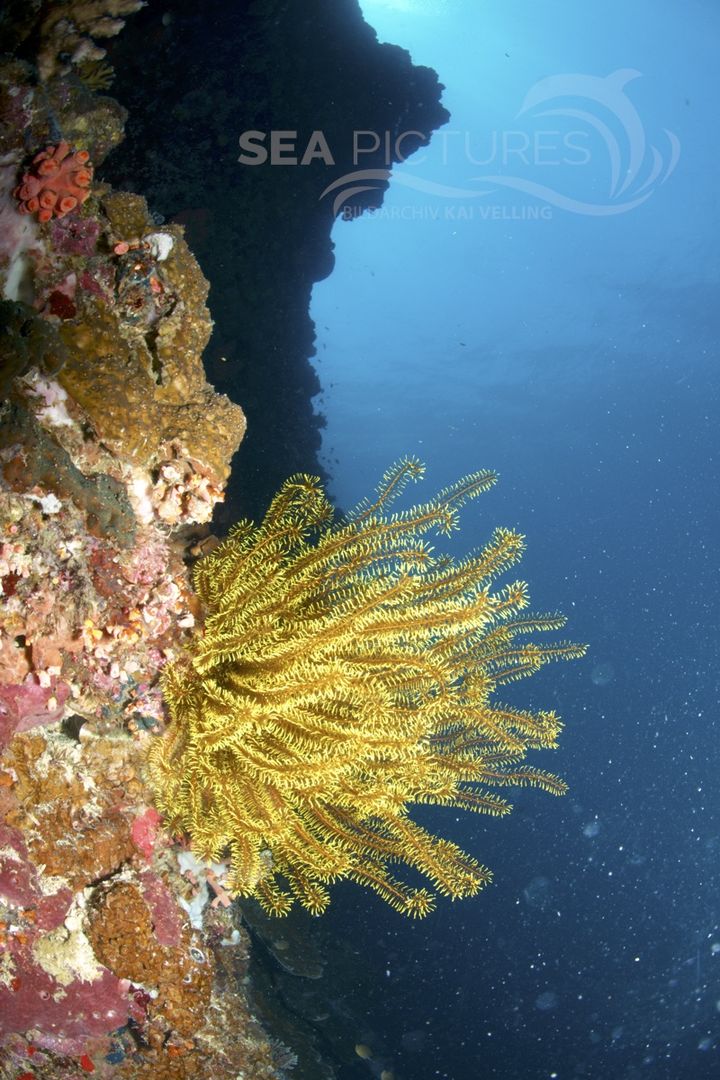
[194, 78]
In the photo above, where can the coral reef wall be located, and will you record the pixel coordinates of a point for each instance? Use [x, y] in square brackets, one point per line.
[114, 450]
[262, 232]
[120, 953]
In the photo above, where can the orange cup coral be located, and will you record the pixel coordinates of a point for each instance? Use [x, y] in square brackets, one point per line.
[58, 180]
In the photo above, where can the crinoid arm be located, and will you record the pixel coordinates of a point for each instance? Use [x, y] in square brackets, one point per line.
[345, 673]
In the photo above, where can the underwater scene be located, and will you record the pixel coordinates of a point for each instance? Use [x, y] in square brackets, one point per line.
[358, 540]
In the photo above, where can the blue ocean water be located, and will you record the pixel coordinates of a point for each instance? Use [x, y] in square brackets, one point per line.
[562, 329]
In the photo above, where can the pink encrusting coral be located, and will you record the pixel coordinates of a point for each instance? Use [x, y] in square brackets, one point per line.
[66, 1015]
[27, 704]
[74, 236]
[57, 182]
[50, 981]
[145, 830]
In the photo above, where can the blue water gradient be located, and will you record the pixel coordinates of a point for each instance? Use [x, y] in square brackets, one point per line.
[576, 353]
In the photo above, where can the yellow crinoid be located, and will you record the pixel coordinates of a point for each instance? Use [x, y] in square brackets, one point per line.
[344, 673]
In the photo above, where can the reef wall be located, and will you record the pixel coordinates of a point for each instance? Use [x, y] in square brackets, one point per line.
[262, 232]
[120, 954]
[114, 451]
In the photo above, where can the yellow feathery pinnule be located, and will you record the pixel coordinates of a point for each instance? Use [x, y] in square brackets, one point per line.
[344, 673]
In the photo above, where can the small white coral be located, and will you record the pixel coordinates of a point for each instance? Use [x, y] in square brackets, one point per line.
[49, 503]
[66, 953]
[53, 400]
[161, 244]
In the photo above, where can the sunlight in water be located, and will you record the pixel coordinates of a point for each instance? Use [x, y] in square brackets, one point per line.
[372, 8]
